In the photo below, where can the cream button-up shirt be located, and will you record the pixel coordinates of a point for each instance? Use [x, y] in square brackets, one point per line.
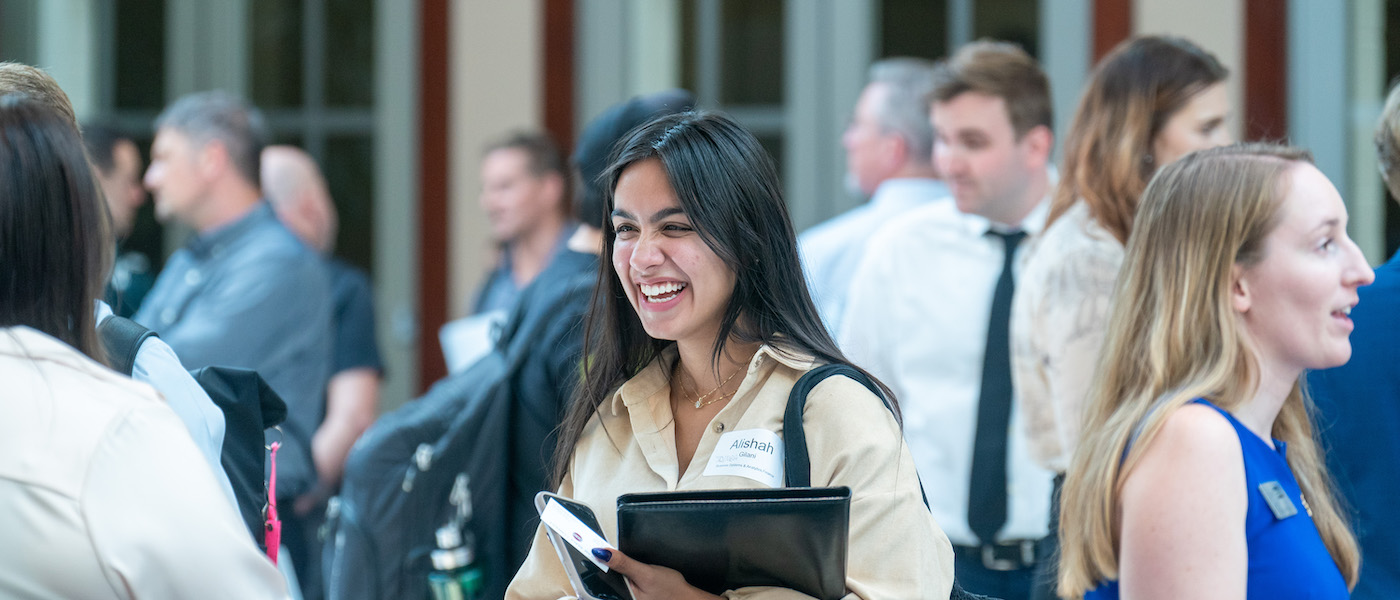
[896, 548]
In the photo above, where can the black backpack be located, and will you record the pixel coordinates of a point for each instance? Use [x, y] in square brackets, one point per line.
[249, 405]
[797, 465]
[437, 461]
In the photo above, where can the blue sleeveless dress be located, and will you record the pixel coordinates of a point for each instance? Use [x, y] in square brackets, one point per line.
[1287, 559]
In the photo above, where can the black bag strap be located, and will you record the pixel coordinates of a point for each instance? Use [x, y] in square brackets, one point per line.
[121, 340]
[797, 465]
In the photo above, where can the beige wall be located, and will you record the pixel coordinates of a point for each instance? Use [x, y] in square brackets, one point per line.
[1217, 25]
[495, 65]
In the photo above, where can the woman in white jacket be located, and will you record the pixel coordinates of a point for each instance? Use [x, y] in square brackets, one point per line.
[103, 491]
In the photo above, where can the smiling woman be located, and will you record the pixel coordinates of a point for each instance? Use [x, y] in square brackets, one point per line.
[677, 285]
[699, 329]
[1198, 475]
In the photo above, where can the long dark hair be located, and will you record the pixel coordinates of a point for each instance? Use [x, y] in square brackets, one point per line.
[727, 185]
[55, 244]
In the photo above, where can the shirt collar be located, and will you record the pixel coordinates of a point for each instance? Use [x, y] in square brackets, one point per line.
[639, 391]
[208, 244]
[559, 246]
[978, 226]
[906, 191]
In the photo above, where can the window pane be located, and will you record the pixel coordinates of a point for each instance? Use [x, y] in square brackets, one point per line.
[349, 169]
[140, 54]
[751, 52]
[349, 53]
[275, 36]
[1009, 20]
[914, 28]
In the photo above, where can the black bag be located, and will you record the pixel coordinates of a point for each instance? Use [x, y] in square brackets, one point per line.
[249, 405]
[798, 466]
[410, 472]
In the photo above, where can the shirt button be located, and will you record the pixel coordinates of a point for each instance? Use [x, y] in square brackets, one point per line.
[719, 427]
[192, 277]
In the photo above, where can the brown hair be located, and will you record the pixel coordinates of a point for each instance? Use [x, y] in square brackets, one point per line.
[1173, 336]
[55, 241]
[39, 86]
[1134, 91]
[1003, 70]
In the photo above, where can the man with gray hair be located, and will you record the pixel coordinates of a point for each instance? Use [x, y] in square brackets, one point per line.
[243, 291]
[889, 158]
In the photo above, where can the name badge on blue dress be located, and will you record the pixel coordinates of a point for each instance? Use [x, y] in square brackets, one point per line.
[1278, 500]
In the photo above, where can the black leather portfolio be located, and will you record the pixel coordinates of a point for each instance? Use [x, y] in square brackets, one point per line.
[729, 539]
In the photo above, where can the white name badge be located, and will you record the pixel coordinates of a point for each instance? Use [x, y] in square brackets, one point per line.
[756, 454]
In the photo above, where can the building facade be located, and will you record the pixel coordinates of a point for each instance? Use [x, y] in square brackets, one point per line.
[397, 98]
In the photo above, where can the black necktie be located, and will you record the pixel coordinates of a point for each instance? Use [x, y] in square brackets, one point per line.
[986, 508]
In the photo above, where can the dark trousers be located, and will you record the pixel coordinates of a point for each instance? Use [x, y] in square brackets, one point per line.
[1047, 570]
[301, 536]
[974, 577]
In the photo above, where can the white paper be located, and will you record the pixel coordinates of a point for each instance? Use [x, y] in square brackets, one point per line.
[572, 530]
[466, 340]
[755, 454]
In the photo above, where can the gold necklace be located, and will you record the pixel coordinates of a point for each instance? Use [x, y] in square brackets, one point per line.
[701, 402]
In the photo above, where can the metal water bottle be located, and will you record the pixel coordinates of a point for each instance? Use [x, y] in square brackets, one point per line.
[456, 574]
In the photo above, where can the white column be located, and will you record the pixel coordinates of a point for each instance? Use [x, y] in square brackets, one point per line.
[66, 45]
[1367, 200]
[1066, 31]
[396, 165]
[829, 46]
[600, 45]
[654, 35]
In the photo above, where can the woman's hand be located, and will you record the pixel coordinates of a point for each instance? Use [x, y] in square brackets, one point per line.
[650, 581]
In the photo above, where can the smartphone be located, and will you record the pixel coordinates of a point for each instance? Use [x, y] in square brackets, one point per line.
[590, 582]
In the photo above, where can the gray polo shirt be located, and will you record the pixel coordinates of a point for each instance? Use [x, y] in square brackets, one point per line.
[250, 295]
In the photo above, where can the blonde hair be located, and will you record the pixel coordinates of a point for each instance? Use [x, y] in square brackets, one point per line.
[1172, 337]
[39, 86]
[1132, 94]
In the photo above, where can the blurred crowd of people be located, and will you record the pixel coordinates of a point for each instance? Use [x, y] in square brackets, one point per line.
[1158, 369]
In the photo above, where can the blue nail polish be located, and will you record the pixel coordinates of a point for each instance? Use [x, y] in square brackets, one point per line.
[602, 554]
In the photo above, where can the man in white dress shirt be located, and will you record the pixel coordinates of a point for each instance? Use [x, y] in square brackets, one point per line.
[928, 309]
[889, 149]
